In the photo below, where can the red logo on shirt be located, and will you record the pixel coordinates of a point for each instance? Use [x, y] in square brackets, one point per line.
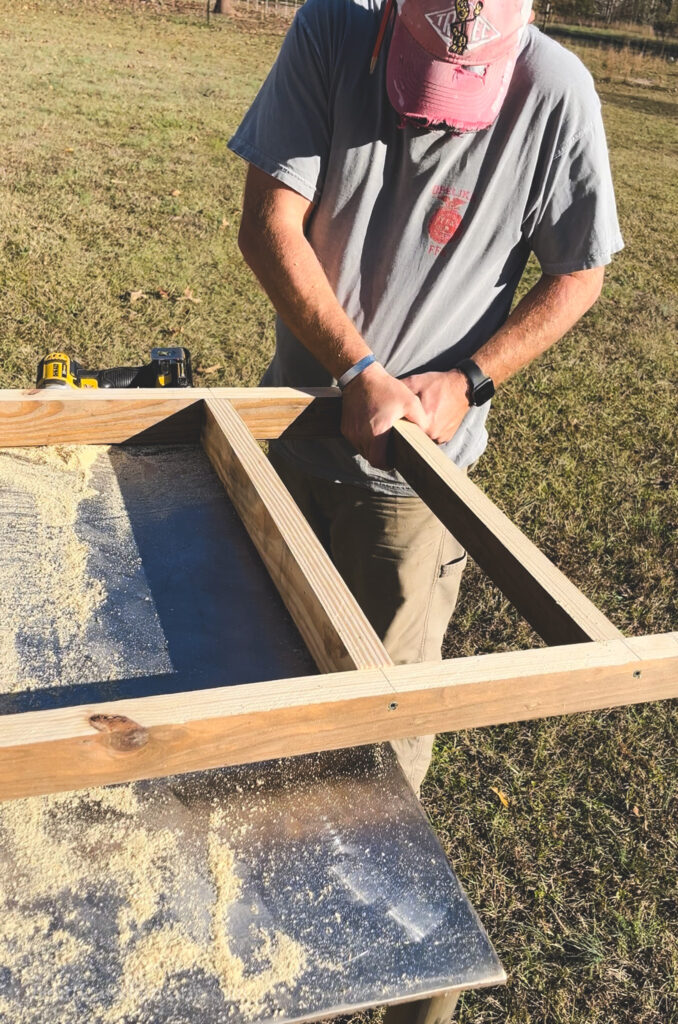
[447, 216]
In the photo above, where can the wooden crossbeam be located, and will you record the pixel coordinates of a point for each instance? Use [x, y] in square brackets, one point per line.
[152, 415]
[361, 697]
[335, 630]
[76, 747]
[558, 611]
[553, 606]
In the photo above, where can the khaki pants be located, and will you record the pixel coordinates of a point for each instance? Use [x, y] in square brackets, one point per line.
[400, 563]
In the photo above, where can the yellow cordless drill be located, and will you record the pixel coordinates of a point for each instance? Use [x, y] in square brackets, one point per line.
[168, 368]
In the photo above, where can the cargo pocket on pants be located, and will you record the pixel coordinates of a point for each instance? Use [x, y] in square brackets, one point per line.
[449, 568]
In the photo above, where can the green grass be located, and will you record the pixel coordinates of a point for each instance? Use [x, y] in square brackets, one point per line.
[638, 38]
[115, 178]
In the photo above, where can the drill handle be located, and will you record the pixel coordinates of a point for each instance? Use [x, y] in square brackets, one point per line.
[122, 377]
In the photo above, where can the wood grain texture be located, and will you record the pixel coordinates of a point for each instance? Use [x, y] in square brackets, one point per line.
[155, 416]
[362, 697]
[518, 686]
[335, 630]
[64, 749]
[550, 602]
[434, 1010]
[553, 606]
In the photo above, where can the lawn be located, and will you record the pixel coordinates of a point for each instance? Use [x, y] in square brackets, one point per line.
[119, 207]
[638, 38]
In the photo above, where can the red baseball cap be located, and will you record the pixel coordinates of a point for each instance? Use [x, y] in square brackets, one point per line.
[450, 61]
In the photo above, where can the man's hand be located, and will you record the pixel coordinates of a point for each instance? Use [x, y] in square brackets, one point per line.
[551, 307]
[273, 242]
[371, 404]
[444, 399]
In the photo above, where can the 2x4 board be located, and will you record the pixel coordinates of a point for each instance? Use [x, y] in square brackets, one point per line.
[359, 696]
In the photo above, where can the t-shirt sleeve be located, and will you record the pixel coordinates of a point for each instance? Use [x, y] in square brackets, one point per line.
[573, 223]
[286, 132]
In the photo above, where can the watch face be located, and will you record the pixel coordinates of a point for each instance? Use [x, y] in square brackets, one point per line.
[481, 386]
[483, 392]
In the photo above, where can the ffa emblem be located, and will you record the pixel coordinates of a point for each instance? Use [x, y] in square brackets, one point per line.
[446, 219]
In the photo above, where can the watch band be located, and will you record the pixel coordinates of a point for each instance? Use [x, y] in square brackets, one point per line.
[355, 370]
[481, 387]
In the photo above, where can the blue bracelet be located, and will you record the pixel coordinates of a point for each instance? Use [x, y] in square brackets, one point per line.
[355, 370]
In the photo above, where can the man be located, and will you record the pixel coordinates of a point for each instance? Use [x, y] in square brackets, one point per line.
[389, 216]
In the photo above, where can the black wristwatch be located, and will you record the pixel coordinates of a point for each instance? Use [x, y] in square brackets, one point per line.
[481, 387]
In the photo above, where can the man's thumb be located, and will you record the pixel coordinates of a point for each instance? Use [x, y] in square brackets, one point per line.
[415, 414]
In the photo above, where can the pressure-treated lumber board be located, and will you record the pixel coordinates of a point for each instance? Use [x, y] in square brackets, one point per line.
[99, 417]
[335, 630]
[273, 412]
[152, 415]
[494, 689]
[549, 601]
[434, 1010]
[553, 606]
[75, 747]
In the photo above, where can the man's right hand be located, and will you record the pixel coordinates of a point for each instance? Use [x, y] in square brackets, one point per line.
[273, 241]
[371, 404]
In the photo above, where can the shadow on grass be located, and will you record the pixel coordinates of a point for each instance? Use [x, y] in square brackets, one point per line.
[642, 104]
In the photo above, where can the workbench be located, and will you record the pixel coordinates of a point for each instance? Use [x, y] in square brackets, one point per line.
[161, 679]
[331, 850]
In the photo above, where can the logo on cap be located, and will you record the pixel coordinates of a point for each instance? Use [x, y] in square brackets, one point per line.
[451, 25]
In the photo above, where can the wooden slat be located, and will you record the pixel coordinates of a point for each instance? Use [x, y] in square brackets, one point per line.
[277, 412]
[76, 747]
[518, 686]
[152, 415]
[334, 628]
[99, 417]
[553, 606]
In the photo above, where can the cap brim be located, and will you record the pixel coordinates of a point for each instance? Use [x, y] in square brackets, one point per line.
[438, 92]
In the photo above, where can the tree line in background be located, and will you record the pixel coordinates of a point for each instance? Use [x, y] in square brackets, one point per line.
[660, 15]
[655, 16]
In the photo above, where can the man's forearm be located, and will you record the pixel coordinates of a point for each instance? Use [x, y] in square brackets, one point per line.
[273, 242]
[289, 271]
[548, 310]
[544, 315]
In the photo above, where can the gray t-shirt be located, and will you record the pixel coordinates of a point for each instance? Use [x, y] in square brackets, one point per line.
[424, 235]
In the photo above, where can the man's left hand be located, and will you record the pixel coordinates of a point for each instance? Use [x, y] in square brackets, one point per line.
[444, 397]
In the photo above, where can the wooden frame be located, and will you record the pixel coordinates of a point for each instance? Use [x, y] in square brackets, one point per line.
[360, 696]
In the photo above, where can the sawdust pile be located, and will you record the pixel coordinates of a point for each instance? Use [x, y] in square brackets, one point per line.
[285, 959]
[69, 563]
[47, 595]
[70, 859]
[153, 964]
[93, 854]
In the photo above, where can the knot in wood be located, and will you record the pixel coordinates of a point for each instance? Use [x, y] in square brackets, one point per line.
[123, 733]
